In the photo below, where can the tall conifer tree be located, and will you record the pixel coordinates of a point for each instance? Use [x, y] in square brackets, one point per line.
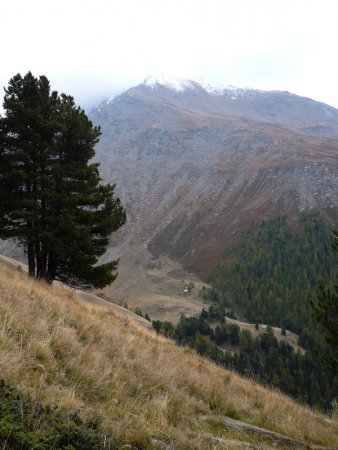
[52, 199]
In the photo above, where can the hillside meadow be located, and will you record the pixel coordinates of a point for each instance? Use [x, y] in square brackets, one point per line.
[88, 359]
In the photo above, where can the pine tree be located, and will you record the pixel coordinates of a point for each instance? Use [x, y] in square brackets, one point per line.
[26, 139]
[326, 313]
[52, 199]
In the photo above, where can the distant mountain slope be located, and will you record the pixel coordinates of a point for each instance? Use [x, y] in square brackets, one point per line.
[282, 108]
[82, 361]
[195, 165]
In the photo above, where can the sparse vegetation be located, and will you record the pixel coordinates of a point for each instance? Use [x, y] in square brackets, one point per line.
[138, 311]
[136, 386]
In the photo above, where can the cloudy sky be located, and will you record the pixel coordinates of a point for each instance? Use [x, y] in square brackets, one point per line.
[92, 49]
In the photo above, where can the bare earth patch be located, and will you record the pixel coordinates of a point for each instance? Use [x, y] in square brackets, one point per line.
[156, 286]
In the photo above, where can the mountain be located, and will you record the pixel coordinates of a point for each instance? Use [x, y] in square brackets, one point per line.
[77, 373]
[195, 164]
[282, 108]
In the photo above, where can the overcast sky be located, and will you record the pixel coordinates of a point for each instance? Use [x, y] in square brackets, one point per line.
[92, 49]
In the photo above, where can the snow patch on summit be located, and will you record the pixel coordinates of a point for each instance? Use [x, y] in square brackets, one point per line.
[170, 82]
[216, 89]
[180, 84]
[221, 89]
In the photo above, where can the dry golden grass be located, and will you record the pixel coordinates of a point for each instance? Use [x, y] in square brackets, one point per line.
[66, 352]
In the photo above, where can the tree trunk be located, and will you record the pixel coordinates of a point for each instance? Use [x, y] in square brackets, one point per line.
[51, 270]
[41, 259]
[31, 259]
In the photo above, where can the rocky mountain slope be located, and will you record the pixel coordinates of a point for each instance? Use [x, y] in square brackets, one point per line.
[195, 164]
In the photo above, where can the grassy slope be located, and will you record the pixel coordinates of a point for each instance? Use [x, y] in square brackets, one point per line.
[81, 356]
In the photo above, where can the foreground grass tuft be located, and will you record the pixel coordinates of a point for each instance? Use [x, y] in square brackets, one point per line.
[27, 424]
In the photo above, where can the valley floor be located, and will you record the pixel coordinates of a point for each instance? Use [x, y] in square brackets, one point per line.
[155, 285]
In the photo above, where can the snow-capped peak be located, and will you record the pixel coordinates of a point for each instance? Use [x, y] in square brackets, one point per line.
[180, 84]
[170, 82]
[177, 84]
[217, 89]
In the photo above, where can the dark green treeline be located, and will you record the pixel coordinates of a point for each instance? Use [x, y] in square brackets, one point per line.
[274, 281]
